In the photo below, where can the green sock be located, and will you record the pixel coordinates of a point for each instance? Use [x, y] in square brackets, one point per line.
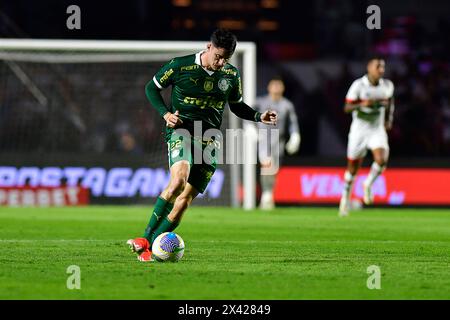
[162, 209]
[165, 226]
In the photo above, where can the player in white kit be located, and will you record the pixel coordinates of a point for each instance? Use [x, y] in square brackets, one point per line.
[370, 99]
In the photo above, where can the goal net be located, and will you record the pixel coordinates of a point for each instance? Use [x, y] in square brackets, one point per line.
[81, 105]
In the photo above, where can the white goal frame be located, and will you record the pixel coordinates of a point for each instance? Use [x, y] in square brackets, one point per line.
[248, 51]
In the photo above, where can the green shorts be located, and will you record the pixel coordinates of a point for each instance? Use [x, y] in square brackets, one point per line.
[201, 155]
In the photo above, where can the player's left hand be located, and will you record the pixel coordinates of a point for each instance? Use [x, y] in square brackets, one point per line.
[269, 117]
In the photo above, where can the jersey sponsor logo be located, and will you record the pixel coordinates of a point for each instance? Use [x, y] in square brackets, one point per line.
[194, 80]
[229, 71]
[157, 217]
[208, 85]
[240, 86]
[223, 84]
[208, 101]
[190, 68]
[166, 76]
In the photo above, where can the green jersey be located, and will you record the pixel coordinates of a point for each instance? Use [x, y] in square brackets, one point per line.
[199, 94]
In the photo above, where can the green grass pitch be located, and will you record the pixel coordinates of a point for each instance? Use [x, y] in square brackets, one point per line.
[289, 254]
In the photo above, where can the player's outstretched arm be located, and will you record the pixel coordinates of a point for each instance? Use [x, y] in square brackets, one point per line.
[245, 112]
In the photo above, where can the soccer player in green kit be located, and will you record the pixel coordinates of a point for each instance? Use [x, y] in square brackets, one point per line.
[202, 84]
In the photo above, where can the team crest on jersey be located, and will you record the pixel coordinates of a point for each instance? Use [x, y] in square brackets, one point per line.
[223, 84]
[208, 85]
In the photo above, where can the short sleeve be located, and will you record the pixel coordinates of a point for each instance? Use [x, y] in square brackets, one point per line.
[165, 76]
[353, 92]
[391, 89]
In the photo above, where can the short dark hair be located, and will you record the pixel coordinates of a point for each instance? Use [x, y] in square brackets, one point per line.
[370, 58]
[277, 78]
[223, 38]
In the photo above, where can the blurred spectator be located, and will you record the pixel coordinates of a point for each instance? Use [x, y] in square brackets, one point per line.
[128, 145]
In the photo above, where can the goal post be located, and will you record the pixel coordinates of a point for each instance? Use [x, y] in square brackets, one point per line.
[57, 52]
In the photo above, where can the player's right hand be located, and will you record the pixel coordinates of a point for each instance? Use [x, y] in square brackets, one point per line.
[269, 117]
[172, 119]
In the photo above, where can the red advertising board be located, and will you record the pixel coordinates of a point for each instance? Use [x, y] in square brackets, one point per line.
[395, 186]
[43, 196]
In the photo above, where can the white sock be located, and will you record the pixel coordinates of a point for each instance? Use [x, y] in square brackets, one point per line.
[375, 171]
[267, 200]
[348, 184]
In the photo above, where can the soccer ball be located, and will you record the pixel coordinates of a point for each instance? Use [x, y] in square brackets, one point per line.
[168, 246]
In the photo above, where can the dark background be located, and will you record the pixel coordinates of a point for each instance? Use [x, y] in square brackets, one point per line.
[328, 38]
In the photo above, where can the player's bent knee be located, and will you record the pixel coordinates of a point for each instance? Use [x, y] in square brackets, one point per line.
[382, 163]
[353, 166]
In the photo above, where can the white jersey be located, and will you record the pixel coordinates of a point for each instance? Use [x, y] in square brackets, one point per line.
[367, 129]
[360, 90]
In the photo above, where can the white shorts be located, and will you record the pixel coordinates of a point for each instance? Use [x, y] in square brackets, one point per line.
[362, 140]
